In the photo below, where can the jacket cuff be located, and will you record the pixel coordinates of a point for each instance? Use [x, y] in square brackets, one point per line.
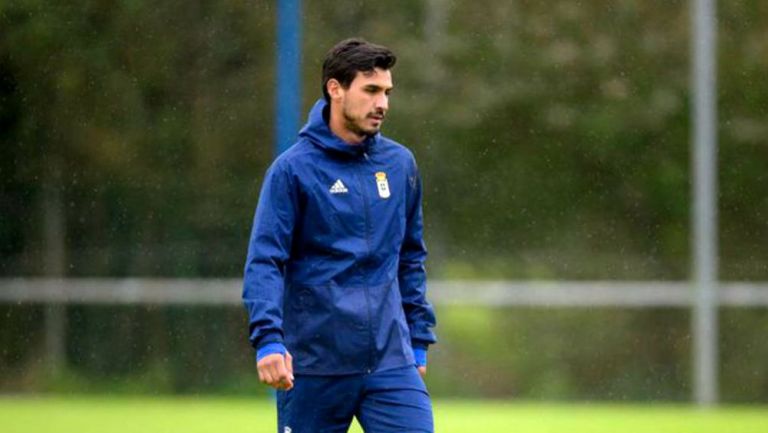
[420, 355]
[270, 349]
[259, 341]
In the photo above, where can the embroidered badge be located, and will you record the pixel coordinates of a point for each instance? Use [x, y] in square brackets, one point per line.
[382, 184]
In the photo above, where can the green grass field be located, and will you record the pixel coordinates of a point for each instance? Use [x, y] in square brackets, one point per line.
[210, 414]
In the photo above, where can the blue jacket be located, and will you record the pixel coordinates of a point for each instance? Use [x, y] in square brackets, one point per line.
[335, 268]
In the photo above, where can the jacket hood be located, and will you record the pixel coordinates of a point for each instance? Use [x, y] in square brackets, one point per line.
[319, 133]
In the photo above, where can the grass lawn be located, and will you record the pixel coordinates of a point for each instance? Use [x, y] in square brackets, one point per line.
[108, 414]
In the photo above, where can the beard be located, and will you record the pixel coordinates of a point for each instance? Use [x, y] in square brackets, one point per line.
[356, 126]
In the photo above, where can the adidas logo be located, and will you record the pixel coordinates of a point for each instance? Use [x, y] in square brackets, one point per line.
[339, 188]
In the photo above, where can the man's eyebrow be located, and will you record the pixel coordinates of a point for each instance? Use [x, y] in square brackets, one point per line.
[376, 86]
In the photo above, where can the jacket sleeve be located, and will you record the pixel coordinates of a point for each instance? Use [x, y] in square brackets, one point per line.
[412, 276]
[268, 252]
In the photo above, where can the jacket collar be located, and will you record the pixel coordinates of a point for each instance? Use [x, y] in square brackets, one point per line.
[319, 133]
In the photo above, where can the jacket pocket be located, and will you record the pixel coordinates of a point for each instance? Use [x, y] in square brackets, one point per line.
[352, 326]
[307, 323]
[327, 328]
[392, 335]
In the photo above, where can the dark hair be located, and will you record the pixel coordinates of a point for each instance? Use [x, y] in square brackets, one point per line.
[351, 56]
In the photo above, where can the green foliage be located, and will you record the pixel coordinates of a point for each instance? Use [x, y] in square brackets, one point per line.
[565, 354]
[158, 130]
[525, 353]
[553, 139]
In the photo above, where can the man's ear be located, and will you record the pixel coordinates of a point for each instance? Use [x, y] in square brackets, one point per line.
[335, 91]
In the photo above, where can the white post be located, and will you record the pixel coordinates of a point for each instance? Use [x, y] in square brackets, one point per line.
[704, 215]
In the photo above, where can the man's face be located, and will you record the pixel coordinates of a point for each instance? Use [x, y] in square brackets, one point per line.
[365, 103]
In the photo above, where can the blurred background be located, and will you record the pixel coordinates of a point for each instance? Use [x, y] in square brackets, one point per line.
[554, 141]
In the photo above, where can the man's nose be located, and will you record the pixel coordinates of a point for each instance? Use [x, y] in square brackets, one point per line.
[382, 102]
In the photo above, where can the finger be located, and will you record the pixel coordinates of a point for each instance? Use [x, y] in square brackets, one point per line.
[264, 370]
[262, 373]
[275, 370]
[261, 376]
[289, 364]
[288, 382]
[268, 378]
[282, 374]
[423, 371]
[283, 385]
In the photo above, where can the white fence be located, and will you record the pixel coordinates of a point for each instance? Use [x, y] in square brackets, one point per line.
[623, 294]
[54, 293]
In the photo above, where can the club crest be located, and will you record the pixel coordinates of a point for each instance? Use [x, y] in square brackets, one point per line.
[382, 184]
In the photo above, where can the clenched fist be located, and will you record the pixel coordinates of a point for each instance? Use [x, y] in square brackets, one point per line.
[276, 370]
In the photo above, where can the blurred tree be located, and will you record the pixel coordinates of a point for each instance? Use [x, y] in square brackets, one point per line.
[158, 130]
[553, 139]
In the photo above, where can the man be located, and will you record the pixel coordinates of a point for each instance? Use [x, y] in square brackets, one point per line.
[334, 280]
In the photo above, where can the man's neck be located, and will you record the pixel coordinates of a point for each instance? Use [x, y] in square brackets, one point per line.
[336, 123]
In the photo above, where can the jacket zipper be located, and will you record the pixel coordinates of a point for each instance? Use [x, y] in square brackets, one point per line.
[365, 274]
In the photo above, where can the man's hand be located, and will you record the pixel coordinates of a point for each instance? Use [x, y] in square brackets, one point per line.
[422, 371]
[276, 371]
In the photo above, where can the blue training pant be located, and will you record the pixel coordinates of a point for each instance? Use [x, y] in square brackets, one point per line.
[383, 402]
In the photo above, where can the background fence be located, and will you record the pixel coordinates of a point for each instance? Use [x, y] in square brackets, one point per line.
[526, 339]
[158, 291]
